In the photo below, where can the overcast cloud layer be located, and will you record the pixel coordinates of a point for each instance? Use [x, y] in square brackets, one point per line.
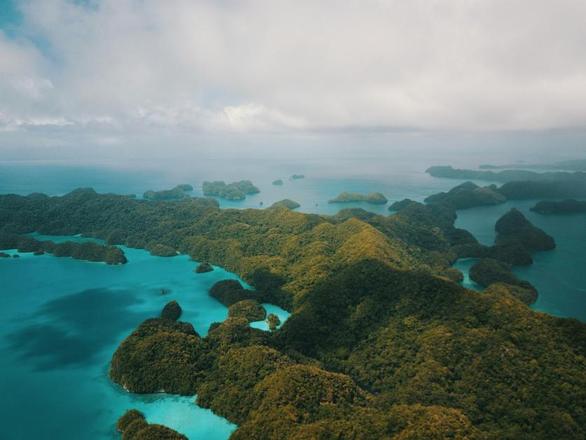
[223, 66]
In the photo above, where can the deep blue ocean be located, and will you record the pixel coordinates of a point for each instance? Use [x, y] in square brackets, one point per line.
[62, 319]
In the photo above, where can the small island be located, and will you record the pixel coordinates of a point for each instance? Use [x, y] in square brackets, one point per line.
[172, 311]
[374, 198]
[297, 176]
[203, 267]
[286, 203]
[232, 191]
[273, 322]
[568, 206]
[133, 426]
[513, 228]
[180, 192]
[278, 182]
[229, 292]
[87, 251]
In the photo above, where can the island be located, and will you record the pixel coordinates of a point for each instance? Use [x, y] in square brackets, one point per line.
[278, 182]
[381, 342]
[374, 198]
[297, 176]
[180, 192]
[286, 203]
[203, 267]
[568, 206]
[523, 184]
[87, 251]
[567, 165]
[229, 292]
[133, 426]
[231, 191]
[450, 172]
[573, 186]
[171, 311]
[513, 227]
[468, 195]
[273, 322]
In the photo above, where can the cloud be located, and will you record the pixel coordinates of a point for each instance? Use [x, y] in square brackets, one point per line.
[291, 66]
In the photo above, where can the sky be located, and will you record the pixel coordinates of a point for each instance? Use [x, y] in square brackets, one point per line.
[104, 76]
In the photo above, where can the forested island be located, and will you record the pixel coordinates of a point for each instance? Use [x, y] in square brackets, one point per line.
[566, 165]
[522, 184]
[133, 426]
[87, 251]
[467, 195]
[231, 191]
[286, 203]
[501, 176]
[569, 206]
[381, 343]
[374, 198]
[278, 182]
[177, 193]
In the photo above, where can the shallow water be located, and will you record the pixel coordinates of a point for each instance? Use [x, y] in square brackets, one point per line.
[464, 265]
[62, 320]
[283, 315]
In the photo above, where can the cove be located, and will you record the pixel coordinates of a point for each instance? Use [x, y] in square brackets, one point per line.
[558, 274]
[62, 320]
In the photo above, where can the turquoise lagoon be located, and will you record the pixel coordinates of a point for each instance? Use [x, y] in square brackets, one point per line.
[62, 320]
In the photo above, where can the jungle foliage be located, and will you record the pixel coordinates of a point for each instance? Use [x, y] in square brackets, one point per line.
[381, 343]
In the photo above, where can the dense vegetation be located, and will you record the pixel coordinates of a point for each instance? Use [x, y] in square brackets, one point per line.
[522, 184]
[231, 191]
[374, 198]
[513, 227]
[273, 322]
[80, 251]
[286, 203]
[177, 193]
[171, 311]
[468, 195]
[248, 309]
[381, 343]
[488, 271]
[203, 267]
[161, 250]
[133, 426]
[568, 206]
